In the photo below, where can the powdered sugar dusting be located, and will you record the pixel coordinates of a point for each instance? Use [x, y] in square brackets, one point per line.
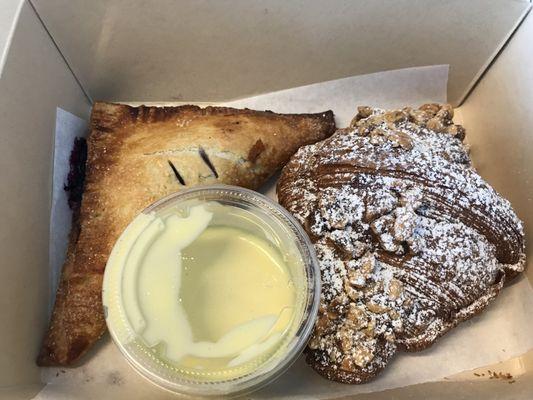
[410, 239]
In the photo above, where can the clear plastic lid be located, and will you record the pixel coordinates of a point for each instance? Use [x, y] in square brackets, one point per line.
[199, 367]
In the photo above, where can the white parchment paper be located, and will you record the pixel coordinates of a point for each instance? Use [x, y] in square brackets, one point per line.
[501, 332]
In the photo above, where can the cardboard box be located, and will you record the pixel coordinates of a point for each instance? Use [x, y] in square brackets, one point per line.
[59, 53]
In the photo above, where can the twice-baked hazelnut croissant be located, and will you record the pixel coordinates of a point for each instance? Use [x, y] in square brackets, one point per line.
[410, 239]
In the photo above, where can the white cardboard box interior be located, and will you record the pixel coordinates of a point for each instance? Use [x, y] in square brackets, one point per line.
[504, 326]
[35, 80]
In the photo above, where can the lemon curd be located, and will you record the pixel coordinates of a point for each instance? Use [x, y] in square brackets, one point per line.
[206, 291]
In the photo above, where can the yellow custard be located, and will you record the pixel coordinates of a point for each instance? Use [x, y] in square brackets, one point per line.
[204, 292]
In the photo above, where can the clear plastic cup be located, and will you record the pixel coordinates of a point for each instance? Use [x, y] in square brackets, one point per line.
[277, 226]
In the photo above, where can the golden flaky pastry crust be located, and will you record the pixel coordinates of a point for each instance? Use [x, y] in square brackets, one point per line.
[137, 155]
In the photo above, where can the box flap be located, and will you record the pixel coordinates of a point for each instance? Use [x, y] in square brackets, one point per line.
[211, 51]
[35, 80]
[8, 20]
